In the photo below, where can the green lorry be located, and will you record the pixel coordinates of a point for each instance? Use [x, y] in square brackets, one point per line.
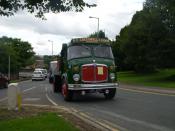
[86, 66]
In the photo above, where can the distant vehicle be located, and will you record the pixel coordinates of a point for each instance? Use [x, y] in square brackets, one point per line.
[38, 75]
[44, 71]
[52, 68]
[3, 81]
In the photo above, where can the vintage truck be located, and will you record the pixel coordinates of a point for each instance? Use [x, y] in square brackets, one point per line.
[87, 66]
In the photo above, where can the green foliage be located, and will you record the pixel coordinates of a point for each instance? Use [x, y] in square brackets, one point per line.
[148, 42]
[24, 51]
[40, 7]
[166, 9]
[119, 56]
[100, 34]
[21, 54]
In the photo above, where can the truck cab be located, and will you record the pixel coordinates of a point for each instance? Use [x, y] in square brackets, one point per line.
[87, 66]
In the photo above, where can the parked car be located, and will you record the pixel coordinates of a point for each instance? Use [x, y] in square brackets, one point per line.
[3, 81]
[38, 75]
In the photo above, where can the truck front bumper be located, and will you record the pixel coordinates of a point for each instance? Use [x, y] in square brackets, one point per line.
[97, 86]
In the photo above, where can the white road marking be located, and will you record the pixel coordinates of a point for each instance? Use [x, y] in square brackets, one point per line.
[25, 81]
[55, 104]
[5, 98]
[29, 89]
[32, 99]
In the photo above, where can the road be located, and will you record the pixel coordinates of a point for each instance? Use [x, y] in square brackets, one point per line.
[129, 110]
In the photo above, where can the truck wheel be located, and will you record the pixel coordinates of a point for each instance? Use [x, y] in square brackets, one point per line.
[67, 94]
[111, 94]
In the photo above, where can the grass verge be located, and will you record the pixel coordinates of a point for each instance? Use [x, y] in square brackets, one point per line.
[164, 78]
[48, 118]
[41, 122]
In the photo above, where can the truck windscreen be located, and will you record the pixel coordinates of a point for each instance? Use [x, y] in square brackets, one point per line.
[103, 51]
[78, 51]
[86, 51]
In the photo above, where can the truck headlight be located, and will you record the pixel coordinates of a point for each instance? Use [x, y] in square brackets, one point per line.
[112, 76]
[76, 77]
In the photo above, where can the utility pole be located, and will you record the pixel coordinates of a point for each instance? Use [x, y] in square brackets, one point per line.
[9, 69]
[52, 45]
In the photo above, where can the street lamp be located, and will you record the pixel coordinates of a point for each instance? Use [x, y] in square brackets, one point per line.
[52, 45]
[97, 26]
[9, 68]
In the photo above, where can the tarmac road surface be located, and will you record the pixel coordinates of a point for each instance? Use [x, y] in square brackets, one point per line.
[130, 110]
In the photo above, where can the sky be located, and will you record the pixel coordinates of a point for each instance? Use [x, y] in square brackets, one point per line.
[62, 27]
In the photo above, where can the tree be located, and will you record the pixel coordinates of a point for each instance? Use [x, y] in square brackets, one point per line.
[148, 42]
[5, 52]
[100, 34]
[21, 54]
[166, 9]
[24, 51]
[40, 7]
[140, 41]
[119, 55]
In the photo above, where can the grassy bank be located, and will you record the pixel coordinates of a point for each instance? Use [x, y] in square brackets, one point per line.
[42, 122]
[163, 78]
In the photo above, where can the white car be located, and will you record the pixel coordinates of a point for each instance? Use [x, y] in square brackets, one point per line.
[38, 75]
[44, 71]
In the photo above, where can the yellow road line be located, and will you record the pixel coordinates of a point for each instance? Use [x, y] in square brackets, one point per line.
[147, 92]
[107, 126]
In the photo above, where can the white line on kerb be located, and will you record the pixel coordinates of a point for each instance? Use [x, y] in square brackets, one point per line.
[55, 104]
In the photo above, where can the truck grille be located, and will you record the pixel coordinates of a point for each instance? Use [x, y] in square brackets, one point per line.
[94, 73]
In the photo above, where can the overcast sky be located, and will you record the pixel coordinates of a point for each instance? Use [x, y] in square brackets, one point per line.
[62, 27]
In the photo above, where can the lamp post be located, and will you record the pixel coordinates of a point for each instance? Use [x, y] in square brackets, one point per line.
[52, 45]
[9, 68]
[98, 24]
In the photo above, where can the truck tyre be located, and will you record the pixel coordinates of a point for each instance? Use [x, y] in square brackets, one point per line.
[67, 94]
[111, 94]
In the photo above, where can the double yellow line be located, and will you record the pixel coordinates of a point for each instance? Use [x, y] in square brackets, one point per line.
[147, 92]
